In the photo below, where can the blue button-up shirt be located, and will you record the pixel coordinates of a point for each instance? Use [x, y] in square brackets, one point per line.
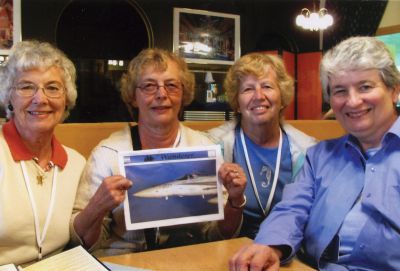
[335, 174]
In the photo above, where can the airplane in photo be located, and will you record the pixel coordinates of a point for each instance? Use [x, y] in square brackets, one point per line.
[189, 185]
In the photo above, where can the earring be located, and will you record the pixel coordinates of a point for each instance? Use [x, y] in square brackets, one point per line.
[10, 107]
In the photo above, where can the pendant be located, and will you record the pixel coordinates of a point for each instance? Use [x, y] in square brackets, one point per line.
[39, 179]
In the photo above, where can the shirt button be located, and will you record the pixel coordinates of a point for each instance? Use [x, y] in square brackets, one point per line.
[368, 195]
[362, 246]
[372, 169]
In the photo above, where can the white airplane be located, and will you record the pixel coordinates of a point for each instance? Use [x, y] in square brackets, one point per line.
[191, 185]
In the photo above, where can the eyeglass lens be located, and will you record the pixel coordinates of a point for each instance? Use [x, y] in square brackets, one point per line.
[53, 90]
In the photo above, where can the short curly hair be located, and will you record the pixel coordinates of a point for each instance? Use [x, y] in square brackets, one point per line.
[158, 58]
[255, 64]
[33, 54]
[358, 53]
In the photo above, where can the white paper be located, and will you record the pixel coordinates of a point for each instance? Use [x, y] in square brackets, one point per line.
[8, 267]
[172, 186]
[118, 267]
[76, 259]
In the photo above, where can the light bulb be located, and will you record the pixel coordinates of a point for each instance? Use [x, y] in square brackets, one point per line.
[329, 19]
[314, 21]
[300, 20]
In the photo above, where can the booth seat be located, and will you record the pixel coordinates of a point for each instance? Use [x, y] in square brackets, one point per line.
[83, 137]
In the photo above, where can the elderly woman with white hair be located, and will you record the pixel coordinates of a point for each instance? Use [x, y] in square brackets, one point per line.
[39, 176]
[343, 208]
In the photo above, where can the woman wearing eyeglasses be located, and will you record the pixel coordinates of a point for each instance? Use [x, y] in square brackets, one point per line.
[157, 85]
[38, 176]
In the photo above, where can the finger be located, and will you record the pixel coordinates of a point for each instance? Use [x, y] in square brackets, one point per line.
[234, 173]
[224, 170]
[240, 260]
[115, 198]
[224, 177]
[117, 182]
[229, 167]
[259, 262]
[239, 182]
[124, 184]
[237, 179]
[264, 258]
[112, 187]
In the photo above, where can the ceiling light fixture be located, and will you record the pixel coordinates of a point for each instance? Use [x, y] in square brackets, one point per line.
[314, 21]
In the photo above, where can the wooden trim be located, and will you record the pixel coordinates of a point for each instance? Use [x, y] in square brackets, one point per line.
[83, 137]
[388, 30]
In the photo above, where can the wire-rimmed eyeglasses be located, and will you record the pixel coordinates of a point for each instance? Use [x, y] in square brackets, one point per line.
[151, 88]
[52, 90]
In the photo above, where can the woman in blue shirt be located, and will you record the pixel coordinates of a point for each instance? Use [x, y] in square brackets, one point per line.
[343, 208]
[270, 152]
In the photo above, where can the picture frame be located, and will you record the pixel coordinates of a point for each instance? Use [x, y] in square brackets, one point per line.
[206, 37]
[10, 25]
[391, 37]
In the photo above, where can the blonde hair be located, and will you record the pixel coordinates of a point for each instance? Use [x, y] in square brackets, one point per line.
[254, 64]
[157, 58]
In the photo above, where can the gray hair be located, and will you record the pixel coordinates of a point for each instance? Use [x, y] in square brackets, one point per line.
[27, 55]
[358, 53]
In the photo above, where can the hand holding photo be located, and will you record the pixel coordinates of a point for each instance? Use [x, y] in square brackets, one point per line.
[172, 186]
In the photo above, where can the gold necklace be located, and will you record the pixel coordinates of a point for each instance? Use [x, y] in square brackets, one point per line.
[41, 176]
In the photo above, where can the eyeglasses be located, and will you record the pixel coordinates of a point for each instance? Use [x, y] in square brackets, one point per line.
[151, 88]
[52, 90]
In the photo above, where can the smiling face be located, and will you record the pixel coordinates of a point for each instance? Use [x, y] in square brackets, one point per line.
[38, 114]
[363, 105]
[162, 107]
[259, 100]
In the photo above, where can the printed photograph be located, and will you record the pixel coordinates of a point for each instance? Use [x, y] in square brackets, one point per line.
[171, 188]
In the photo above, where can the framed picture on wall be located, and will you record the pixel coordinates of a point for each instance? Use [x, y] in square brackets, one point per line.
[206, 37]
[391, 37]
[10, 24]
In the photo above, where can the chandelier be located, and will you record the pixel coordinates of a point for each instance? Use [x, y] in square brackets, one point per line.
[314, 21]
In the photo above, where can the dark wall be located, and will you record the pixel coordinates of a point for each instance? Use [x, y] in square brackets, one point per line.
[265, 24]
[100, 29]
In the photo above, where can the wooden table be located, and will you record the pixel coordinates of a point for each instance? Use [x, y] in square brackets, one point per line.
[211, 256]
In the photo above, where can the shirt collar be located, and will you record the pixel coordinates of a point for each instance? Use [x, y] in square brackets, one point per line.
[394, 131]
[20, 152]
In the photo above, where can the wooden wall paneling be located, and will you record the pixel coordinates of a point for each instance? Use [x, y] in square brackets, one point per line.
[309, 93]
[289, 60]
